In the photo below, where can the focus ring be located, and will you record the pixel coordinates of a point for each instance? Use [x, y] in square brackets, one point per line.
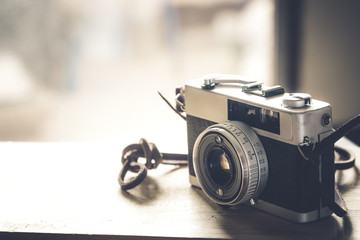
[245, 142]
[248, 159]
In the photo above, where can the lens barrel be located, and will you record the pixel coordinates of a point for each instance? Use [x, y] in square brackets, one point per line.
[230, 163]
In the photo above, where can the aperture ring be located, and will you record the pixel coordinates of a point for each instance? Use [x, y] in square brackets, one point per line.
[249, 161]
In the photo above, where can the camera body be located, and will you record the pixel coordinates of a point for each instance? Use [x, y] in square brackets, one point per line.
[244, 147]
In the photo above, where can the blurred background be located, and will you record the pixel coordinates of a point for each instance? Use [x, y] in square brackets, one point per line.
[90, 70]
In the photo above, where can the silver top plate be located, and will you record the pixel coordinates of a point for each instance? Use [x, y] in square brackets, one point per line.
[295, 123]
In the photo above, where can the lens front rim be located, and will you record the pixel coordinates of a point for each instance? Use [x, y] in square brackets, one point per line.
[229, 191]
[248, 158]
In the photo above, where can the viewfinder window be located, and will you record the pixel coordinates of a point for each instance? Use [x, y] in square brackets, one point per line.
[257, 117]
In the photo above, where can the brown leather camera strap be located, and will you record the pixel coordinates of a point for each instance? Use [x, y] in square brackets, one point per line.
[336, 203]
[335, 136]
[153, 157]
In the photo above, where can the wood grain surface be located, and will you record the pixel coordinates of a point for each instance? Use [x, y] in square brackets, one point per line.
[70, 191]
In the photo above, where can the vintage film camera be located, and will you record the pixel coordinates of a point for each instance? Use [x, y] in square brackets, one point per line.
[245, 142]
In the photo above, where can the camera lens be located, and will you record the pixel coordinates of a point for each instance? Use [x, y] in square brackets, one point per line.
[219, 166]
[230, 163]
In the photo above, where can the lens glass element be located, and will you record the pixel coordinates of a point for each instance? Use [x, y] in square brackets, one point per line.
[219, 166]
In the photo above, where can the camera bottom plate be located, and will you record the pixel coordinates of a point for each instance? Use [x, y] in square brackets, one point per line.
[291, 215]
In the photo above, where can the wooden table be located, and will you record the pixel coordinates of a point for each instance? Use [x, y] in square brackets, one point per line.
[70, 191]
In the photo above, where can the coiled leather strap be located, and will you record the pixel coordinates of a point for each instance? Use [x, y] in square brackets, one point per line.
[153, 157]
